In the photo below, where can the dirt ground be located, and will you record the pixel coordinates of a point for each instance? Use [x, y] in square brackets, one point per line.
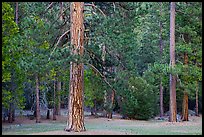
[193, 120]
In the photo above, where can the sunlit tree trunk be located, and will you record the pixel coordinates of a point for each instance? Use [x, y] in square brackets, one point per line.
[172, 104]
[37, 100]
[185, 97]
[75, 120]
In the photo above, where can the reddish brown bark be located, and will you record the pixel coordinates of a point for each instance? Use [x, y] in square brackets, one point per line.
[185, 107]
[172, 104]
[75, 120]
[185, 97]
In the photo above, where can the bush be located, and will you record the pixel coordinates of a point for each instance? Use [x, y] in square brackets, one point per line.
[140, 100]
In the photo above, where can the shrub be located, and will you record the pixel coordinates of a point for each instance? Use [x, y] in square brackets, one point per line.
[140, 100]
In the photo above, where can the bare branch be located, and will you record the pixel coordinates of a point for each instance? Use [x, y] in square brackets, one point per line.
[96, 8]
[49, 6]
[114, 6]
[102, 76]
[59, 17]
[58, 43]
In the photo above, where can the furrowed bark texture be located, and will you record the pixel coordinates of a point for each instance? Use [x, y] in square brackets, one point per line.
[76, 93]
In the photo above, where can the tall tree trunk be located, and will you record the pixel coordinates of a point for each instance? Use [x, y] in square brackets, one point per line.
[105, 94]
[58, 81]
[185, 97]
[75, 120]
[161, 51]
[172, 104]
[54, 101]
[37, 100]
[196, 108]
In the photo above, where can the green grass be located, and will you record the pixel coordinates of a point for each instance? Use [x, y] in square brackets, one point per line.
[133, 127]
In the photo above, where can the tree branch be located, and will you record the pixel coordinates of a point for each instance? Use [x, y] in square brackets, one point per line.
[94, 6]
[49, 6]
[58, 43]
[114, 6]
[102, 76]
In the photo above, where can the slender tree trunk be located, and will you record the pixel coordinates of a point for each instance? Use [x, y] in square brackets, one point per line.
[54, 101]
[75, 120]
[196, 108]
[59, 97]
[48, 114]
[185, 107]
[185, 97]
[161, 100]
[58, 81]
[172, 104]
[105, 94]
[10, 114]
[110, 115]
[16, 13]
[37, 100]
[94, 109]
[161, 51]
[11, 106]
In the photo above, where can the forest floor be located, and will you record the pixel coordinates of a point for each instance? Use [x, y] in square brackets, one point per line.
[104, 126]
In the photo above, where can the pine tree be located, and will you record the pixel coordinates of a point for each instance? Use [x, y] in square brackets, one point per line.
[172, 104]
[75, 120]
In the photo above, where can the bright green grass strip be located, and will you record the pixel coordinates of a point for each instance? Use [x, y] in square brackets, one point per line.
[137, 128]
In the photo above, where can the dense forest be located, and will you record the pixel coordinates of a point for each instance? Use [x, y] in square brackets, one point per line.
[138, 59]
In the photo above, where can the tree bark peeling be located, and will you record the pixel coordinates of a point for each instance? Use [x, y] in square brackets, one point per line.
[75, 120]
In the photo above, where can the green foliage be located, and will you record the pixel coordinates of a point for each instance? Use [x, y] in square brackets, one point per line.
[140, 100]
[94, 88]
[134, 64]
[9, 30]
